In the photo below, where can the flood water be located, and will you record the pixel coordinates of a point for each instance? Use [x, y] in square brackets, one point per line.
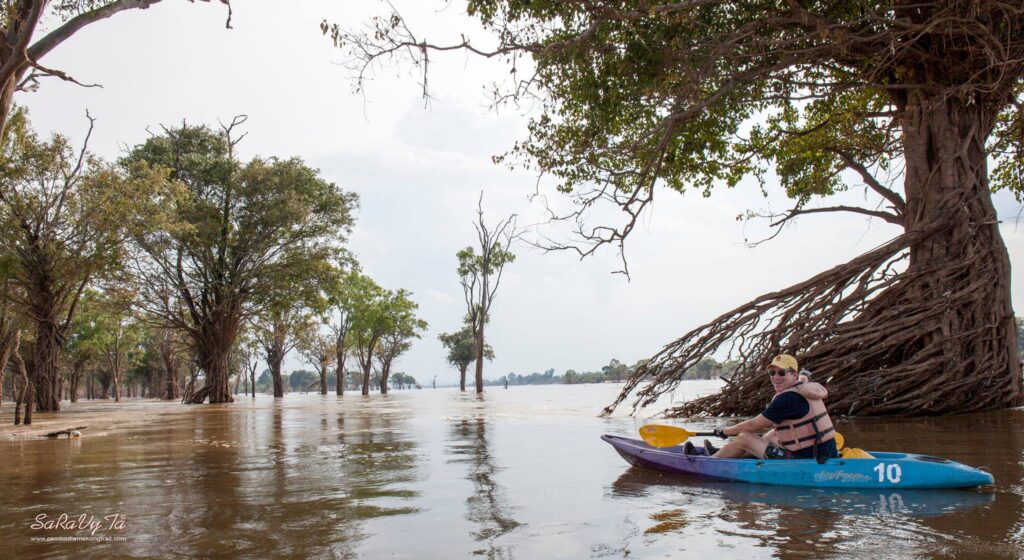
[518, 473]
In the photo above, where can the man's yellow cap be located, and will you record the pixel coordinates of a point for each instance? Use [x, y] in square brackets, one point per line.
[785, 361]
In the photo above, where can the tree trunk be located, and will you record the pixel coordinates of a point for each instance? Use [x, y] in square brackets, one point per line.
[7, 89]
[46, 366]
[479, 338]
[170, 370]
[10, 338]
[462, 377]
[274, 359]
[252, 377]
[323, 379]
[76, 376]
[25, 394]
[366, 377]
[965, 265]
[339, 350]
[105, 386]
[385, 372]
[217, 370]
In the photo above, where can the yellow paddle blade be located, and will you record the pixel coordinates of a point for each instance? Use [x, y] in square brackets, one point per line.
[660, 435]
[840, 440]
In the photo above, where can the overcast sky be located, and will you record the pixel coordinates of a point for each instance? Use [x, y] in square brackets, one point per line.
[419, 170]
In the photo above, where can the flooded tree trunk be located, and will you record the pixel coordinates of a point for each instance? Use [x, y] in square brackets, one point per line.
[76, 376]
[323, 379]
[339, 355]
[366, 377]
[9, 339]
[105, 385]
[46, 366]
[385, 373]
[964, 268]
[275, 356]
[25, 393]
[216, 370]
[479, 339]
[462, 376]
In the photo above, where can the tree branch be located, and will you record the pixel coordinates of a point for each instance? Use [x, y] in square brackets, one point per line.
[897, 201]
[887, 216]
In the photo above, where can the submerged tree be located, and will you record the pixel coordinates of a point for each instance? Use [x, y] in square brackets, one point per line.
[318, 350]
[382, 321]
[285, 314]
[65, 216]
[238, 233]
[405, 327]
[867, 93]
[461, 346]
[342, 294]
[480, 276]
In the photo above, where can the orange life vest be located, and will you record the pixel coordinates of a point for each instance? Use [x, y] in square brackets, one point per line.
[813, 428]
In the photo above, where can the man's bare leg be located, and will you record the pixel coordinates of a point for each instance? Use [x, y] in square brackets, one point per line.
[743, 445]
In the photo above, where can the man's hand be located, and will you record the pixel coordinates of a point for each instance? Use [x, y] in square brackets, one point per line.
[815, 391]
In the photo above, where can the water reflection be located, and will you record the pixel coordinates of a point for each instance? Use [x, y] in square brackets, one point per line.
[435, 474]
[485, 507]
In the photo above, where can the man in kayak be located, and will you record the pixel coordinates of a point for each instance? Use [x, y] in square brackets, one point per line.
[801, 426]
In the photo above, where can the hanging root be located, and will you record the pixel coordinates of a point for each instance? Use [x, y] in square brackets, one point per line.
[885, 340]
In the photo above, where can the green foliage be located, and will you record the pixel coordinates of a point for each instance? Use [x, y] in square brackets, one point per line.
[475, 271]
[400, 380]
[461, 348]
[265, 383]
[700, 95]
[262, 225]
[614, 372]
[259, 235]
[65, 217]
[377, 312]
[105, 333]
[300, 380]
[1007, 149]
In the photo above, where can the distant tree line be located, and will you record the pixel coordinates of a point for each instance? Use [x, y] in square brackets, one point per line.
[304, 381]
[615, 371]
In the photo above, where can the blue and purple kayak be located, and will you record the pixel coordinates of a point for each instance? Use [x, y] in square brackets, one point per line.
[885, 470]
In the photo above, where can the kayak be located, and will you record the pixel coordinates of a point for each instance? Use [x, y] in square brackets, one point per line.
[885, 470]
[848, 501]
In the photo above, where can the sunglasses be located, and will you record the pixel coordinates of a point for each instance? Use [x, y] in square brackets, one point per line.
[779, 372]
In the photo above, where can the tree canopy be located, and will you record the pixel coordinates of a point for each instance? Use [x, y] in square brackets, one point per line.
[238, 233]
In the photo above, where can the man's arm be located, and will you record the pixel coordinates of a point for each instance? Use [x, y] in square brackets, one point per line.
[812, 391]
[755, 424]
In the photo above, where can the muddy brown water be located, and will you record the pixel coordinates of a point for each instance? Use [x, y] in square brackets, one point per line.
[518, 473]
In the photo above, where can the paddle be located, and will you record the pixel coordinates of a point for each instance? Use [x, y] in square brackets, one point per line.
[660, 435]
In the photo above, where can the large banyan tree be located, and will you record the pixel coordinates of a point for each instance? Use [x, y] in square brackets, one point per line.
[912, 100]
[237, 235]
